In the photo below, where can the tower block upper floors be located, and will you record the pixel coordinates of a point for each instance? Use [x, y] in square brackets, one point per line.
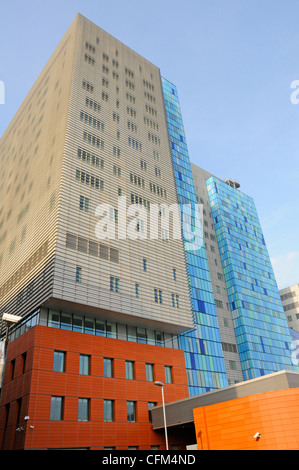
[87, 165]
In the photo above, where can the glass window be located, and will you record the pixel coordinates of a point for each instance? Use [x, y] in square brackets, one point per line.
[141, 335]
[84, 364]
[89, 325]
[66, 321]
[111, 330]
[108, 367]
[131, 411]
[108, 410]
[150, 407]
[100, 328]
[149, 372]
[131, 333]
[150, 336]
[59, 361]
[78, 274]
[129, 370]
[83, 409]
[78, 323]
[56, 408]
[159, 338]
[54, 319]
[137, 290]
[168, 374]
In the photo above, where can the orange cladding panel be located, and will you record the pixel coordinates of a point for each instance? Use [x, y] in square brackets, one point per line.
[232, 425]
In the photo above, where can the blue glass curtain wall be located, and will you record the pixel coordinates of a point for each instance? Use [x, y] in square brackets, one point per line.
[202, 345]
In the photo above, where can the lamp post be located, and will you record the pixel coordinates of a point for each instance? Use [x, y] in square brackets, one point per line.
[161, 384]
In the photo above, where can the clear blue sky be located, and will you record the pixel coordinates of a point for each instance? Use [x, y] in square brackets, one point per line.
[232, 61]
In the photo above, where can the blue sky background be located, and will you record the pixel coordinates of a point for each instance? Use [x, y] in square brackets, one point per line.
[232, 61]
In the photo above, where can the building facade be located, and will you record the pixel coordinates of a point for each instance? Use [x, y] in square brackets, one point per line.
[290, 302]
[262, 334]
[104, 255]
[224, 313]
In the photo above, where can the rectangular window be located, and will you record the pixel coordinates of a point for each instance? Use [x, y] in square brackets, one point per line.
[137, 292]
[168, 374]
[59, 361]
[84, 364]
[84, 204]
[114, 284]
[78, 274]
[108, 411]
[149, 372]
[144, 264]
[150, 407]
[130, 370]
[83, 409]
[131, 411]
[108, 367]
[56, 411]
[24, 358]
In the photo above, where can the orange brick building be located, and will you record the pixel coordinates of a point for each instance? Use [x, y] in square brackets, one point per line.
[31, 386]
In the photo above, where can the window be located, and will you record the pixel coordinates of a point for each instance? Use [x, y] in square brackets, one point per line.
[150, 407]
[114, 284]
[83, 409]
[108, 367]
[158, 296]
[84, 364]
[175, 300]
[12, 368]
[56, 411]
[24, 358]
[144, 264]
[108, 410]
[59, 361]
[174, 273]
[149, 372]
[84, 204]
[168, 374]
[131, 411]
[78, 274]
[116, 170]
[130, 370]
[137, 292]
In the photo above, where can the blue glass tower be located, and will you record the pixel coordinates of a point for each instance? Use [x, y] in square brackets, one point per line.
[262, 334]
[202, 345]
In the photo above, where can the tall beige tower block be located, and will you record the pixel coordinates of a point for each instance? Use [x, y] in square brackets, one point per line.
[91, 130]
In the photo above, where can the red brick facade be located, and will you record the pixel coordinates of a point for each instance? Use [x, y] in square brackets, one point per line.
[30, 382]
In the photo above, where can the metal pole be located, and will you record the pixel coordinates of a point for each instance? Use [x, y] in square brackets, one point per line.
[164, 416]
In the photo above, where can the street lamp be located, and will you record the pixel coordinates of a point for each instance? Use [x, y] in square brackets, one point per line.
[161, 384]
